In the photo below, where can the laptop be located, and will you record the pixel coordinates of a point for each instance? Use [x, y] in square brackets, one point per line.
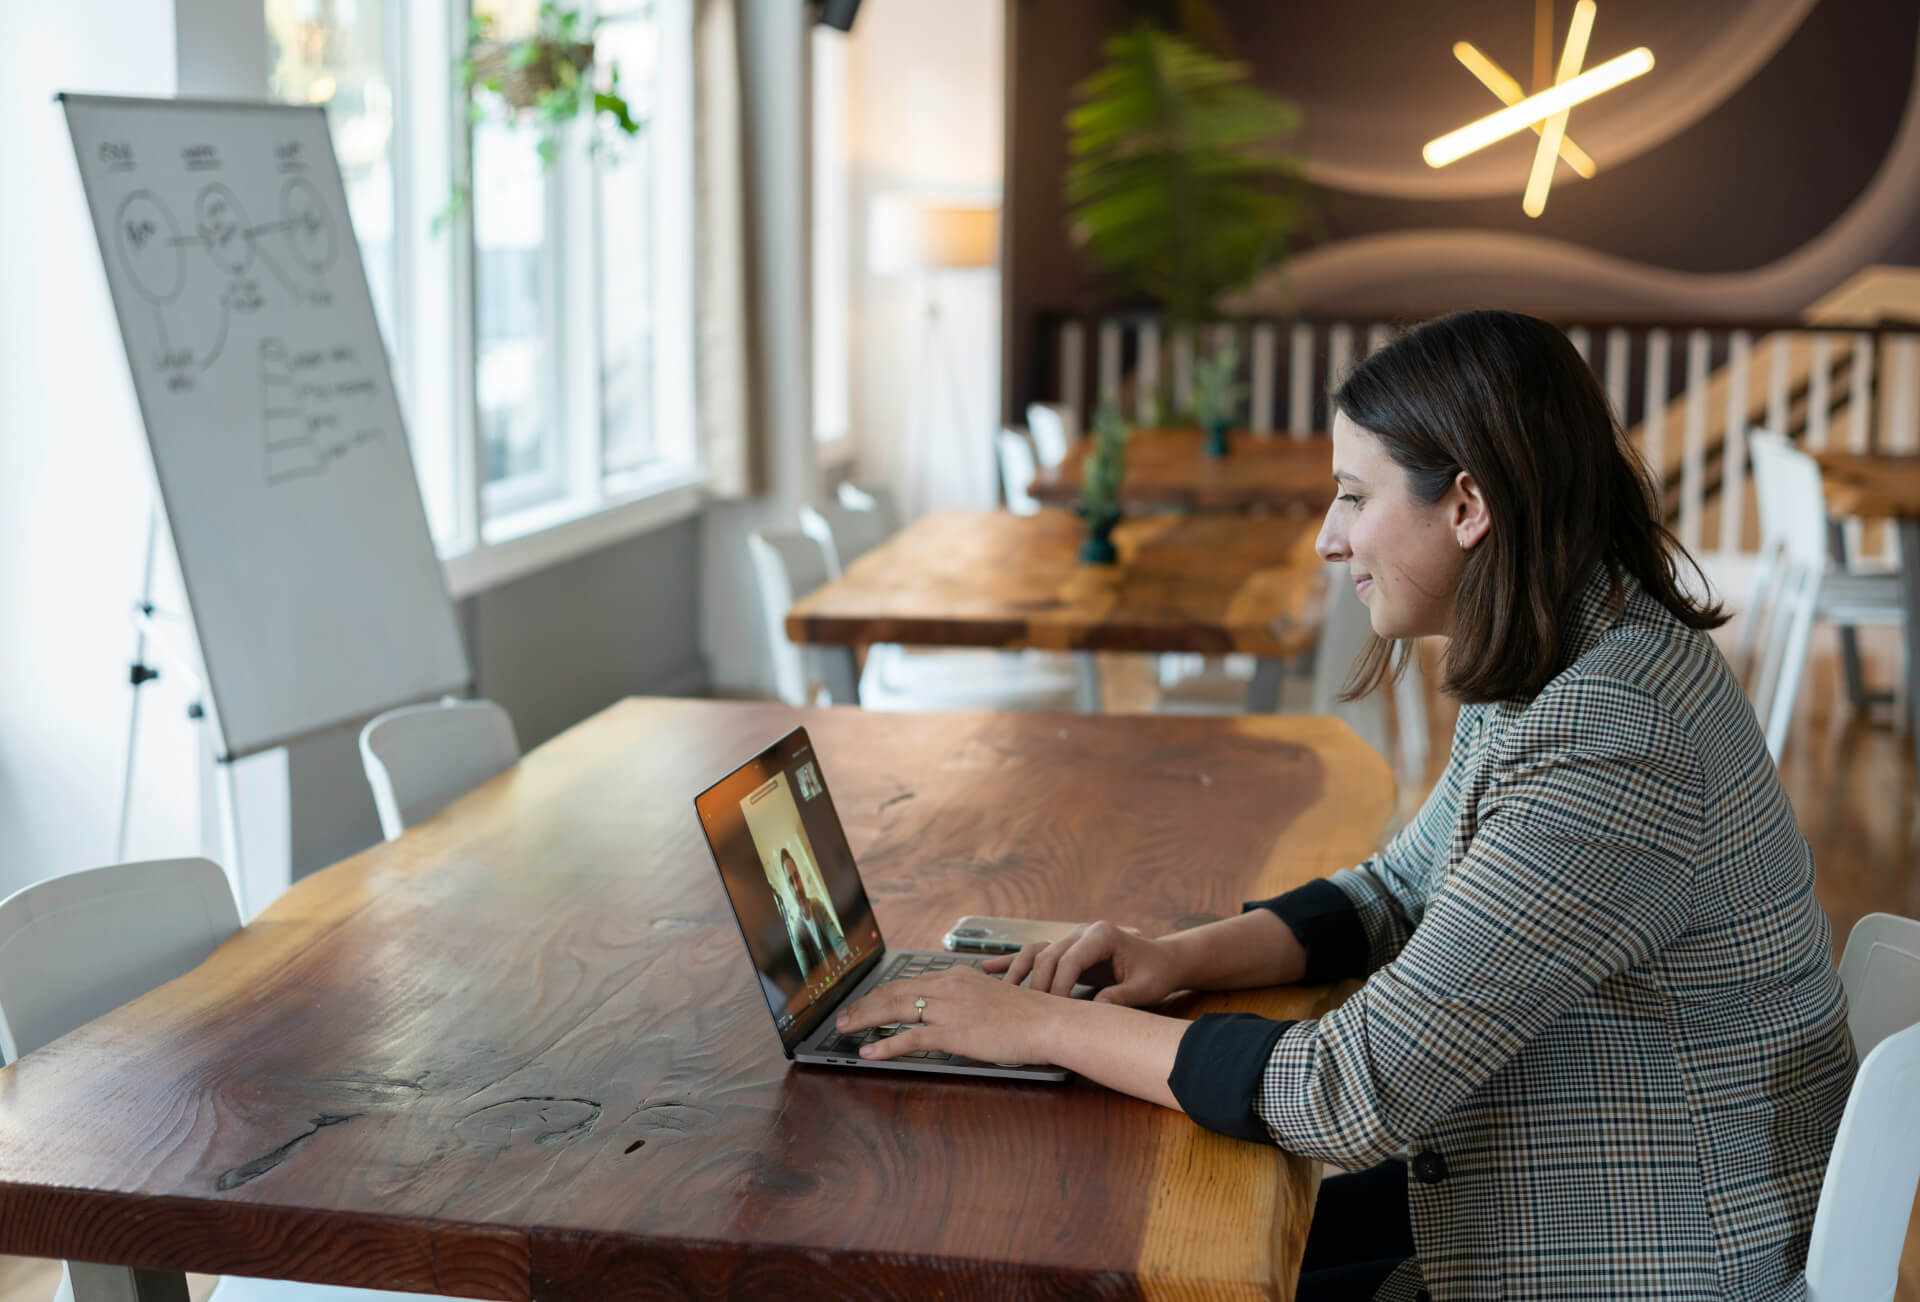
[805, 917]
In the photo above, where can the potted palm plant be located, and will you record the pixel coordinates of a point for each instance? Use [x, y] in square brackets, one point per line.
[1180, 186]
[1100, 478]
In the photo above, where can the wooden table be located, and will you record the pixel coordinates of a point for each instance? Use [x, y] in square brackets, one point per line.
[1203, 584]
[520, 1052]
[1277, 473]
[1882, 486]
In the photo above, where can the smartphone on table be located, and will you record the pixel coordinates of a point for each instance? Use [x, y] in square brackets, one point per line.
[983, 935]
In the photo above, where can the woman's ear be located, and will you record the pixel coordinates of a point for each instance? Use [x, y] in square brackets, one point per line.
[1469, 514]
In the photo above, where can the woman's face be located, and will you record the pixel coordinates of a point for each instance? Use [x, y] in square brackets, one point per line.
[1405, 559]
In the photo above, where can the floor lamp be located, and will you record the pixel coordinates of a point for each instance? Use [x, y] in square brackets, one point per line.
[932, 237]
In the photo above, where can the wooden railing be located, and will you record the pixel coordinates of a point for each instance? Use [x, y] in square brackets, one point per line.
[1680, 389]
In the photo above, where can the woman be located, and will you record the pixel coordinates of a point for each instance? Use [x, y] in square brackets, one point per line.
[1601, 1045]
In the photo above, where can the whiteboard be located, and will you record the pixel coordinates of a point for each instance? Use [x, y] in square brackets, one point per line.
[276, 436]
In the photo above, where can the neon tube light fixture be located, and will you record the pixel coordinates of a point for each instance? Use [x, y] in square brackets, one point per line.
[1546, 111]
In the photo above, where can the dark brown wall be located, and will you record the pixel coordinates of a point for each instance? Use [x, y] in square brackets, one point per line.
[1758, 177]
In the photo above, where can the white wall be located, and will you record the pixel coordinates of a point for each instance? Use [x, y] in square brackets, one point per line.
[775, 116]
[75, 484]
[925, 104]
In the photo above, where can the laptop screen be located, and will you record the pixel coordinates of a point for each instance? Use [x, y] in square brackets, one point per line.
[789, 873]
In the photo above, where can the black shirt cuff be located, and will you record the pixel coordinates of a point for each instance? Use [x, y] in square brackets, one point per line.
[1328, 927]
[1218, 1069]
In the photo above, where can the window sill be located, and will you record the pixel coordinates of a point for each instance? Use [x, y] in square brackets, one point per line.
[539, 537]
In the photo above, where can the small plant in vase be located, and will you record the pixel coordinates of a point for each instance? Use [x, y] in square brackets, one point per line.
[1217, 395]
[1101, 475]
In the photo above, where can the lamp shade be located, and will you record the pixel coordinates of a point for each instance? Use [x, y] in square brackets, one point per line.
[916, 233]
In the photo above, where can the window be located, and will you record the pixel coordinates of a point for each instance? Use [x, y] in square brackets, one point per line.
[542, 330]
[832, 238]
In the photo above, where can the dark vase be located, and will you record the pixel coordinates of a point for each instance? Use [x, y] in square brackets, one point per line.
[1098, 548]
[1216, 445]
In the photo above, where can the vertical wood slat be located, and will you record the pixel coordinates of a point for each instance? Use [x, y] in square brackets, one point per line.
[1733, 445]
[1146, 395]
[1300, 381]
[1654, 445]
[1183, 368]
[1860, 427]
[1617, 372]
[1109, 389]
[1783, 342]
[1693, 463]
[1378, 336]
[1582, 341]
[1073, 380]
[1819, 389]
[1899, 434]
[1339, 358]
[1265, 349]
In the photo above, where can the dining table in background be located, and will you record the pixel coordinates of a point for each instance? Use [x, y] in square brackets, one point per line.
[520, 1052]
[1203, 584]
[1883, 486]
[1278, 474]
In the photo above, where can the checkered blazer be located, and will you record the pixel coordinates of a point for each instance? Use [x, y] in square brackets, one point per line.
[1601, 1017]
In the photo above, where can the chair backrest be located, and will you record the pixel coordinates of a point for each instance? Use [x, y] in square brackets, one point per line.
[1017, 470]
[420, 758]
[1860, 1224]
[1762, 446]
[75, 947]
[1051, 424]
[1787, 483]
[1880, 971]
[788, 566]
[848, 533]
[870, 497]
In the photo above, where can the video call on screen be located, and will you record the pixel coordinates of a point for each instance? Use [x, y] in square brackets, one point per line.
[790, 875]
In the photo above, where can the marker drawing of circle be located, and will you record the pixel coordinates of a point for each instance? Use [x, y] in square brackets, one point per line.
[223, 229]
[150, 246]
[308, 225]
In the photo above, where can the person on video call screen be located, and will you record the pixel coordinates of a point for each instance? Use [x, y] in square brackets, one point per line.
[816, 936]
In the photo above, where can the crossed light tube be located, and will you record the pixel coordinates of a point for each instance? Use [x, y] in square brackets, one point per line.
[1545, 113]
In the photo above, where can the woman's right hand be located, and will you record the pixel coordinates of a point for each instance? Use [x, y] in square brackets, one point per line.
[1128, 968]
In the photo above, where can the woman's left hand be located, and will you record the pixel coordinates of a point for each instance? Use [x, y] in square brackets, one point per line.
[967, 1013]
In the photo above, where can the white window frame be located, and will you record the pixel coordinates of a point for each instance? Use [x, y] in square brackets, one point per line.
[491, 534]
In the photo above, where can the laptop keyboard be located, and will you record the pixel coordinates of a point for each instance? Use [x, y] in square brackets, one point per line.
[900, 968]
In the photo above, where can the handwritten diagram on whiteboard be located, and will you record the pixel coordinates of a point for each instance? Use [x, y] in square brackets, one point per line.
[270, 411]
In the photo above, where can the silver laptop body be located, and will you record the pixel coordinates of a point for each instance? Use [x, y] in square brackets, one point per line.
[804, 914]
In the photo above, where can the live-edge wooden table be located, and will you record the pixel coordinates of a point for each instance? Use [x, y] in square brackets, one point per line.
[1209, 585]
[1275, 473]
[520, 1052]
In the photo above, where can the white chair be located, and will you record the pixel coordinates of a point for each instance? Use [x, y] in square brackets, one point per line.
[789, 565]
[1052, 426]
[847, 533]
[1017, 470]
[870, 497]
[1866, 1198]
[76, 947]
[1345, 625]
[420, 758]
[1796, 583]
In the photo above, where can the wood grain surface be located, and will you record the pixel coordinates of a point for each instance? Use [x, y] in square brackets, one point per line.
[1208, 584]
[1874, 485]
[520, 1052]
[1274, 473]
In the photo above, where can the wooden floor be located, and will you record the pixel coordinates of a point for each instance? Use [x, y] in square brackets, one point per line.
[1851, 779]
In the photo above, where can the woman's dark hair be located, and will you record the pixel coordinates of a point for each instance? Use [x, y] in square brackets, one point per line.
[1507, 399]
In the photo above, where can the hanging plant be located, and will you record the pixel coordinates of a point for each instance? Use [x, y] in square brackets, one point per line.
[547, 79]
